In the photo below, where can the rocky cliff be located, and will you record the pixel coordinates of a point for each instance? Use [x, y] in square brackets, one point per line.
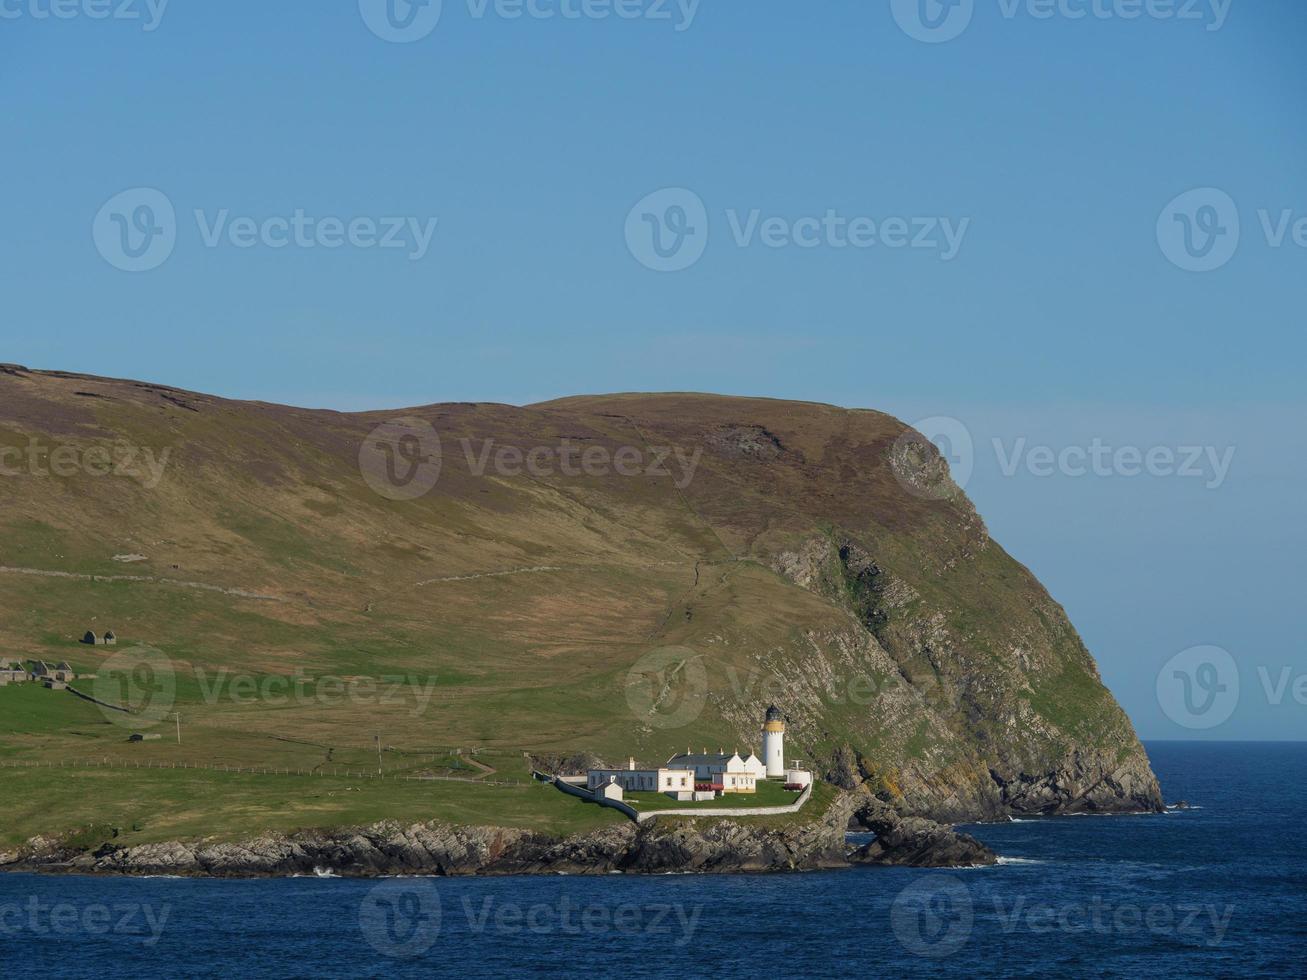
[985, 705]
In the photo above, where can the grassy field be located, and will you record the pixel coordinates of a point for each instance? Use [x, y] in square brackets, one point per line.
[823, 795]
[54, 727]
[57, 726]
[158, 805]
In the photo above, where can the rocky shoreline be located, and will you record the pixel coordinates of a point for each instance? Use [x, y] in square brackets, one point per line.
[658, 847]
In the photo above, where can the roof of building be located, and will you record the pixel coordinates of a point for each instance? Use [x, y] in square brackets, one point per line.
[774, 714]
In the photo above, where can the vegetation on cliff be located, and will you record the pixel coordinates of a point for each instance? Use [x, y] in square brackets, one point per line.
[798, 553]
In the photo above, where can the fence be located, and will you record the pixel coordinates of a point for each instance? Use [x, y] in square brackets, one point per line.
[737, 811]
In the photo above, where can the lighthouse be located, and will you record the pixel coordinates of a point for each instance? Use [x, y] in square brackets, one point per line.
[773, 743]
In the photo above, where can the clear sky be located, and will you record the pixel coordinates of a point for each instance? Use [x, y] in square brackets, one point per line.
[970, 211]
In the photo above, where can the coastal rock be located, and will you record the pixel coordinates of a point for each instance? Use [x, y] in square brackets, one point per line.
[38, 850]
[381, 849]
[699, 844]
[1082, 783]
[921, 843]
[666, 844]
[913, 841]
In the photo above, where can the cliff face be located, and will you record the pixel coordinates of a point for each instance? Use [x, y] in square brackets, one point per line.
[992, 704]
[714, 556]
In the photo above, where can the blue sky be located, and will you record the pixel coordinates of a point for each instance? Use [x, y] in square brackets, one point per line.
[1052, 145]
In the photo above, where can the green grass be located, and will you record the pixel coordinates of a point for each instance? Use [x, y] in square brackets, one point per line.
[177, 804]
[823, 795]
[57, 726]
[769, 794]
[916, 745]
[29, 709]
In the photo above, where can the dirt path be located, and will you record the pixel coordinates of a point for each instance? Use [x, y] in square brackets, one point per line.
[145, 579]
[485, 769]
[537, 569]
[512, 571]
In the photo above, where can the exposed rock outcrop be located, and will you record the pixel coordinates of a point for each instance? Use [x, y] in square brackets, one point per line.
[660, 846]
[912, 841]
[575, 764]
[1082, 783]
[979, 702]
[921, 843]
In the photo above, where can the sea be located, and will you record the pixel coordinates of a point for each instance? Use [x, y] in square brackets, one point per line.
[1218, 889]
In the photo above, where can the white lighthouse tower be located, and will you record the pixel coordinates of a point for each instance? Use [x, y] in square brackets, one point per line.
[773, 743]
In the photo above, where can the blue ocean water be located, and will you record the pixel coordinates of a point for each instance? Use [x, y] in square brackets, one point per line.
[1219, 890]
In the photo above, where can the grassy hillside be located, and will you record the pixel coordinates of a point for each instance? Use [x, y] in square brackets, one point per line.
[727, 553]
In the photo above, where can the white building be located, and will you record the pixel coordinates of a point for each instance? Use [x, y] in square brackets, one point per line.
[722, 772]
[700, 775]
[633, 780]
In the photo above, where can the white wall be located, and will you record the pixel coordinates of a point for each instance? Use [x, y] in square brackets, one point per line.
[773, 752]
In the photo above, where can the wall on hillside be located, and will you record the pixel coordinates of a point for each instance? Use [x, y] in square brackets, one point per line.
[740, 811]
